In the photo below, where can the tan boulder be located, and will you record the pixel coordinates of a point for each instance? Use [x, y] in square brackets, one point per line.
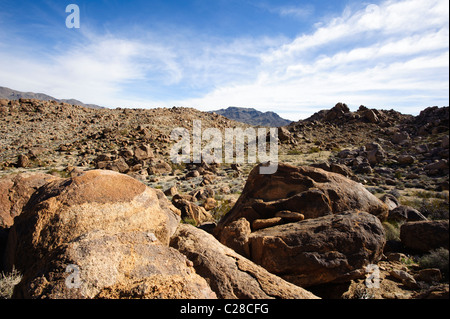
[229, 274]
[159, 167]
[192, 211]
[143, 152]
[101, 234]
[112, 266]
[235, 236]
[100, 200]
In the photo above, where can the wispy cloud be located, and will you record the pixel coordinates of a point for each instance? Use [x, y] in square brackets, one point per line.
[108, 69]
[294, 11]
[380, 56]
[394, 54]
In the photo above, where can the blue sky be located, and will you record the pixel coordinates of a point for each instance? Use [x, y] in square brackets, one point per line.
[291, 57]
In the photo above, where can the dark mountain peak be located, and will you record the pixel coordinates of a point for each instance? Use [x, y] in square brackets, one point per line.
[252, 116]
[9, 94]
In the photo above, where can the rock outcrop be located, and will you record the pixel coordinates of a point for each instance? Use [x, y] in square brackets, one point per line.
[15, 191]
[100, 235]
[229, 274]
[340, 234]
[333, 248]
[309, 191]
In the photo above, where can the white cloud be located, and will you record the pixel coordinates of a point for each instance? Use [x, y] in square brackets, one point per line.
[298, 12]
[294, 11]
[393, 54]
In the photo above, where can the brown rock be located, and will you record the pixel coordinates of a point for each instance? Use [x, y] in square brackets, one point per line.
[290, 216]
[119, 165]
[400, 138]
[375, 153]
[264, 223]
[407, 279]
[283, 134]
[210, 203]
[429, 275]
[121, 265]
[100, 235]
[370, 116]
[172, 191]
[235, 236]
[310, 191]
[23, 161]
[406, 159]
[404, 213]
[4, 102]
[391, 201]
[192, 211]
[332, 248]
[424, 236]
[143, 152]
[335, 168]
[438, 165]
[159, 167]
[15, 191]
[229, 274]
[445, 142]
[435, 292]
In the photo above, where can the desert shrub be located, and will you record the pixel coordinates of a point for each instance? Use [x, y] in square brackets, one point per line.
[294, 152]
[437, 258]
[435, 208]
[392, 231]
[222, 209]
[7, 283]
[189, 221]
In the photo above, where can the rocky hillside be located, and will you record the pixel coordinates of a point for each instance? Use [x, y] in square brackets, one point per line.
[9, 94]
[92, 207]
[253, 117]
[381, 147]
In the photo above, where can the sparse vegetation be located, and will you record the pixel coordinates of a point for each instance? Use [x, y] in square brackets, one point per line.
[434, 205]
[438, 258]
[56, 172]
[294, 152]
[188, 220]
[8, 282]
[314, 149]
[222, 209]
[392, 231]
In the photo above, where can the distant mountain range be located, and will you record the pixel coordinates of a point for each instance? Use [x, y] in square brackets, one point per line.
[9, 94]
[240, 114]
[252, 116]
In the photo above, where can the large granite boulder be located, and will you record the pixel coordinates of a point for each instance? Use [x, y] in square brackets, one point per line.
[100, 235]
[332, 248]
[311, 192]
[229, 274]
